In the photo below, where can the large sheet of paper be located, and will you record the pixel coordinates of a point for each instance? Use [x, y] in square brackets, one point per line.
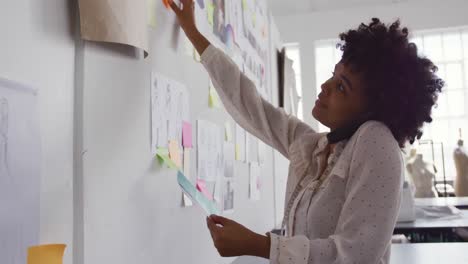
[169, 110]
[117, 21]
[20, 157]
[210, 150]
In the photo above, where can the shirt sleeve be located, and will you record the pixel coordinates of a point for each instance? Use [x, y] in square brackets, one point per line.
[246, 106]
[369, 213]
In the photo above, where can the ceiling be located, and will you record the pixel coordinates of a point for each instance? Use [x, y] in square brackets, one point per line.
[289, 7]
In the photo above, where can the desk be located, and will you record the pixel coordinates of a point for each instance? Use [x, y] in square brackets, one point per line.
[458, 202]
[429, 253]
[422, 229]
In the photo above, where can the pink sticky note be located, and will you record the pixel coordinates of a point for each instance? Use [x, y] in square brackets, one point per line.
[201, 186]
[187, 135]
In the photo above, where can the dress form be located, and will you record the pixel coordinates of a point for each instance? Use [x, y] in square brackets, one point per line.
[460, 156]
[422, 176]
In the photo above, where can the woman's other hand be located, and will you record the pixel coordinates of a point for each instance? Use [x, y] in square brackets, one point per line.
[233, 239]
[186, 16]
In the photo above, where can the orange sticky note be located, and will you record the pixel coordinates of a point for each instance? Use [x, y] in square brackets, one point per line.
[46, 254]
[167, 3]
[174, 153]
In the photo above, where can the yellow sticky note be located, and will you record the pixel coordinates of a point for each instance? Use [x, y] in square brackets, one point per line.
[213, 100]
[46, 254]
[237, 152]
[228, 131]
[151, 12]
[210, 12]
[174, 153]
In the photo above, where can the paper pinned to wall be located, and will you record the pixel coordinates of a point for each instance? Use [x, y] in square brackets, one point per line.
[227, 132]
[240, 143]
[20, 178]
[50, 254]
[251, 145]
[117, 21]
[228, 195]
[262, 149]
[255, 182]
[187, 159]
[169, 107]
[228, 154]
[210, 150]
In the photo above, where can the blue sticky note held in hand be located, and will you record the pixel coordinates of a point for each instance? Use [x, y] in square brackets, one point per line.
[197, 197]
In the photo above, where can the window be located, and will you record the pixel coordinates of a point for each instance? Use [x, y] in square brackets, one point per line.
[448, 49]
[293, 53]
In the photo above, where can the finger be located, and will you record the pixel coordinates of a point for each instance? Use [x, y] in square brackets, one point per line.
[186, 3]
[214, 229]
[174, 7]
[220, 220]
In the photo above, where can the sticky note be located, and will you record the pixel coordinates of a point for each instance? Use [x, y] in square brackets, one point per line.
[238, 157]
[213, 100]
[187, 134]
[174, 153]
[208, 206]
[210, 12]
[201, 186]
[167, 3]
[163, 156]
[151, 12]
[228, 131]
[46, 254]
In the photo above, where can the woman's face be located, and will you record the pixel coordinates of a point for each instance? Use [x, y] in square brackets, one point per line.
[342, 99]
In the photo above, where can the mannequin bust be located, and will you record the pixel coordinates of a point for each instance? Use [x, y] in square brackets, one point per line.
[460, 156]
[422, 175]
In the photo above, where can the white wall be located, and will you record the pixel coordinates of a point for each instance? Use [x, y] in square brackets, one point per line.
[307, 28]
[38, 49]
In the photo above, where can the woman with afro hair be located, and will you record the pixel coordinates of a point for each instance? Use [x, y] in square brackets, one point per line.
[343, 190]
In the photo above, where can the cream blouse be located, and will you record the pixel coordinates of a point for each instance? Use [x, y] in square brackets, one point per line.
[346, 215]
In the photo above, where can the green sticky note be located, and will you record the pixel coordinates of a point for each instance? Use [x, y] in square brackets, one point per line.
[210, 12]
[151, 12]
[197, 197]
[228, 131]
[238, 157]
[213, 100]
[163, 156]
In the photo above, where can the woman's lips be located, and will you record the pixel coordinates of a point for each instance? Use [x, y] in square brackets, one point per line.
[320, 104]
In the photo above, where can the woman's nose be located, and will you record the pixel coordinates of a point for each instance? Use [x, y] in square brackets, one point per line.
[324, 87]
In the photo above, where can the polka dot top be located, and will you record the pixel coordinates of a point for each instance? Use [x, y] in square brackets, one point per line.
[345, 215]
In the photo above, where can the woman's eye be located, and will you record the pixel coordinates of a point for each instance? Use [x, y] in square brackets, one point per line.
[340, 88]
